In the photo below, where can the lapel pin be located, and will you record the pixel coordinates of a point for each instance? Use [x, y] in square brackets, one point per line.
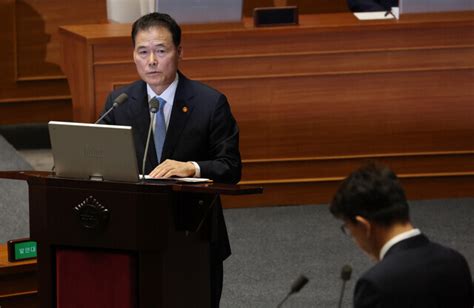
[185, 109]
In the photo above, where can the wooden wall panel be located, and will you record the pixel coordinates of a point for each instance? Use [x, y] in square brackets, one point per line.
[32, 79]
[111, 76]
[329, 33]
[312, 169]
[353, 113]
[314, 63]
[321, 192]
[314, 101]
[34, 56]
[39, 111]
[8, 50]
[314, 180]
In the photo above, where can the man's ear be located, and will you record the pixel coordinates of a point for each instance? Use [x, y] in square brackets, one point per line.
[180, 52]
[364, 223]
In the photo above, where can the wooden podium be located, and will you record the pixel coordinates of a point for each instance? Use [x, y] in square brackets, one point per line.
[123, 244]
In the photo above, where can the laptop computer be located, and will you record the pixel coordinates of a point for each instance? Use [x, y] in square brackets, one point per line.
[93, 151]
[202, 11]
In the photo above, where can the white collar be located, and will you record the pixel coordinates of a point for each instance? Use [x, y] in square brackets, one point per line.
[396, 239]
[168, 94]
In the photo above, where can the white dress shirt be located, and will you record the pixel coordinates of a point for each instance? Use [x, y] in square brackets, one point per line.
[396, 239]
[168, 95]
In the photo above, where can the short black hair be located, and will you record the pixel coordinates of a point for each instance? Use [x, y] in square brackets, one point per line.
[373, 192]
[157, 20]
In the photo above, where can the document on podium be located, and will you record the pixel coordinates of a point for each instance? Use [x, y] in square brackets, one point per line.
[376, 15]
[177, 179]
[373, 15]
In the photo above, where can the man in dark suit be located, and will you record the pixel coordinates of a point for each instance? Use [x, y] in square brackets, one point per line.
[411, 271]
[371, 5]
[195, 135]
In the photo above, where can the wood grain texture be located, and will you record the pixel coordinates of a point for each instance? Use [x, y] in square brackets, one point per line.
[30, 57]
[310, 169]
[315, 100]
[417, 187]
[18, 281]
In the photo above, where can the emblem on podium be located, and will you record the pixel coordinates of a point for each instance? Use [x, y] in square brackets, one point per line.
[92, 214]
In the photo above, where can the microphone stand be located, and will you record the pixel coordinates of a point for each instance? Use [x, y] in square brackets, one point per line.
[339, 305]
[345, 276]
[284, 300]
[117, 101]
[106, 113]
[295, 288]
[154, 105]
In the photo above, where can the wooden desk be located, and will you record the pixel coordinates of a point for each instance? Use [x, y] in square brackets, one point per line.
[314, 100]
[18, 282]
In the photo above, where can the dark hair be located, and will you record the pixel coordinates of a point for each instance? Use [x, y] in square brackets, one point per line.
[373, 192]
[157, 20]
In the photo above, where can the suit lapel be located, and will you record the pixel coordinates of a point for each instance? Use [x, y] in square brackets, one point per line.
[181, 112]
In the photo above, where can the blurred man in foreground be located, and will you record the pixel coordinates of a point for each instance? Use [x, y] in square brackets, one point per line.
[411, 271]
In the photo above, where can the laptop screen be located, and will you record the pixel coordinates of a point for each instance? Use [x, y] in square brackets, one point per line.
[202, 11]
[93, 151]
[426, 6]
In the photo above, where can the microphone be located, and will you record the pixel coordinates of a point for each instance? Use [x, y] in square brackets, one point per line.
[345, 276]
[117, 101]
[295, 288]
[154, 106]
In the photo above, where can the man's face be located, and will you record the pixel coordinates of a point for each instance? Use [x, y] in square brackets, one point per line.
[156, 57]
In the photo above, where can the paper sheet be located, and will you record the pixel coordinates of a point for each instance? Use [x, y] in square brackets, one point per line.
[180, 180]
[373, 15]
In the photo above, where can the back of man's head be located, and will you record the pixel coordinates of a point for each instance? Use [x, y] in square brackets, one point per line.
[373, 192]
[157, 20]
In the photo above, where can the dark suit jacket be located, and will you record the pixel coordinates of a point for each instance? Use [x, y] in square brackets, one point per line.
[416, 273]
[371, 5]
[201, 129]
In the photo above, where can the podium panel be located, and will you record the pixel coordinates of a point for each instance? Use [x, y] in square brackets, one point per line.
[95, 279]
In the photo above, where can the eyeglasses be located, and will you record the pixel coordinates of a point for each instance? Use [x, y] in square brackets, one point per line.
[345, 230]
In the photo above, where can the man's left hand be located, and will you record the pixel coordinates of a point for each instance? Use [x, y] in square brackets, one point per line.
[171, 167]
